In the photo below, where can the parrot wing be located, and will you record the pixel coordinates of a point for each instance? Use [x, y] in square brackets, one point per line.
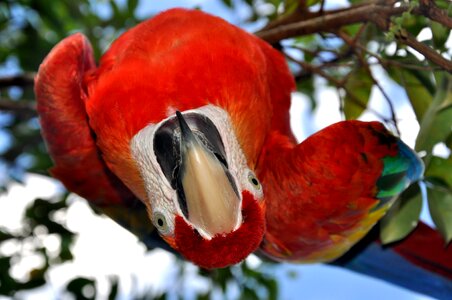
[78, 164]
[325, 194]
[425, 248]
[420, 263]
[69, 139]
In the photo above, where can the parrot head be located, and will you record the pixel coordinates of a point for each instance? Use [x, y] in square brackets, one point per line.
[170, 108]
[203, 199]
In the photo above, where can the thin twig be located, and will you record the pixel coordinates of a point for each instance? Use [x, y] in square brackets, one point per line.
[384, 62]
[377, 12]
[353, 42]
[20, 107]
[390, 104]
[429, 9]
[340, 84]
[330, 20]
[24, 79]
[322, 7]
[429, 53]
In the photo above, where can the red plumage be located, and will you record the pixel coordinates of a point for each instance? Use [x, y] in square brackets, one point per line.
[222, 251]
[64, 123]
[148, 73]
[321, 195]
[320, 192]
[425, 247]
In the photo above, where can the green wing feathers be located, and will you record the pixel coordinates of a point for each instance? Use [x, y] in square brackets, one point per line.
[398, 173]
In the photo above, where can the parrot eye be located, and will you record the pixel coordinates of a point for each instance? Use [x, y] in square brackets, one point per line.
[254, 181]
[160, 222]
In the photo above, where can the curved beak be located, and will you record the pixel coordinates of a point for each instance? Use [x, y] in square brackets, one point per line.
[212, 203]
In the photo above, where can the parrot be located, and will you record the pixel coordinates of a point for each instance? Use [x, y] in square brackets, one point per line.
[182, 135]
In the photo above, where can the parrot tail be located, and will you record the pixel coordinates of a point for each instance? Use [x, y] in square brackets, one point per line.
[421, 262]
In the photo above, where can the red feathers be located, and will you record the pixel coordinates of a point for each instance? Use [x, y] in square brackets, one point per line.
[425, 247]
[65, 124]
[222, 251]
[320, 193]
[183, 59]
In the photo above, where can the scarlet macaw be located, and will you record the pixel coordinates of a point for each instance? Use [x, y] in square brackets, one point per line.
[185, 112]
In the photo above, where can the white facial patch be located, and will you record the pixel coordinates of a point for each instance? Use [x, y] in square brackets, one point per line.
[161, 195]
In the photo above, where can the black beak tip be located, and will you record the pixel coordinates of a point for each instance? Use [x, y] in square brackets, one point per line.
[185, 130]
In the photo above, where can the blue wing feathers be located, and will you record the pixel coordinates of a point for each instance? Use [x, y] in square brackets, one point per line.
[388, 265]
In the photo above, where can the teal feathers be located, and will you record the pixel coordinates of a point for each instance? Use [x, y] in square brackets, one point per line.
[398, 173]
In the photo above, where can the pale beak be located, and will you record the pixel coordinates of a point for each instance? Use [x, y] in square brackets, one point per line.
[212, 203]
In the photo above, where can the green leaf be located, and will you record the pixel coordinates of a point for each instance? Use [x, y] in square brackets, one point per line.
[65, 250]
[440, 34]
[115, 8]
[307, 88]
[228, 3]
[36, 279]
[82, 288]
[311, 2]
[418, 86]
[222, 277]
[132, 6]
[114, 287]
[206, 296]
[418, 94]
[290, 6]
[436, 124]
[4, 236]
[440, 206]
[440, 168]
[353, 29]
[448, 141]
[307, 41]
[249, 294]
[271, 286]
[8, 284]
[358, 87]
[413, 24]
[402, 217]
[446, 5]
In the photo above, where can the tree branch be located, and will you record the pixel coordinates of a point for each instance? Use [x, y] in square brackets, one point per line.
[429, 53]
[330, 20]
[340, 84]
[353, 42]
[429, 9]
[377, 12]
[24, 79]
[18, 107]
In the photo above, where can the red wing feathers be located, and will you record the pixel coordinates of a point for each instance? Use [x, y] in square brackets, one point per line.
[426, 248]
[64, 122]
[320, 193]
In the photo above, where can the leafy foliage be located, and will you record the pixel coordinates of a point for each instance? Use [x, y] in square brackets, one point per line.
[403, 216]
[38, 225]
[351, 59]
